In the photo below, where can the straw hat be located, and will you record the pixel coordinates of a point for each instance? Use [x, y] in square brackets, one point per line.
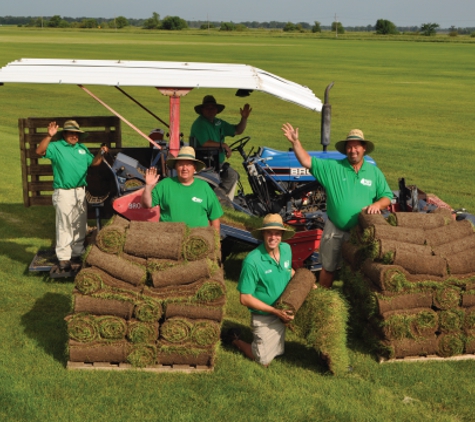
[273, 222]
[185, 153]
[355, 135]
[207, 100]
[72, 126]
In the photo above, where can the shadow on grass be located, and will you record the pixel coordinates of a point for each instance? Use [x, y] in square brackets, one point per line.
[45, 324]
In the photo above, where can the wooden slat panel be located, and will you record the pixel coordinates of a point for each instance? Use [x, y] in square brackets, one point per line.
[41, 186]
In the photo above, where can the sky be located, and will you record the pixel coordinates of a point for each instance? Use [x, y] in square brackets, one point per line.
[460, 13]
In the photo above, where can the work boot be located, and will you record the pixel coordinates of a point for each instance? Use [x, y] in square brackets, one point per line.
[64, 265]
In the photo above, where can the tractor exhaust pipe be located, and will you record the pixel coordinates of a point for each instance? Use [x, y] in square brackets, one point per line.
[326, 119]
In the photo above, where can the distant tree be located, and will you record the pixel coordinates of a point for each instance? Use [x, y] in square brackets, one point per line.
[153, 22]
[289, 27]
[119, 22]
[89, 23]
[428, 29]
[385, 27]
[316, 27]
[339, 26]
[453, 31]
[206, 26]
[54, 21]
[227, 26]
[64, 24]
[173, 23]
[240, 27]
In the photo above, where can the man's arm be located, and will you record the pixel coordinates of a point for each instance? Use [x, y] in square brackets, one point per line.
[43, 145]
[251, 302]
[99, 156]
[293, 137]
[376, 207]
[245, 112]
[216, 224]
[151, 179]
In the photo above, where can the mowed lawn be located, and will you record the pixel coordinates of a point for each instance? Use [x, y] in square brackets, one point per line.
[413, 99]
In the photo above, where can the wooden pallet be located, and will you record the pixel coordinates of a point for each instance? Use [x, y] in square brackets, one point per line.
[428, 358]
[111, 366]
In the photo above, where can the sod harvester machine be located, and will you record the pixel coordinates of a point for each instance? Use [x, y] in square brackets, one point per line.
[279, 184]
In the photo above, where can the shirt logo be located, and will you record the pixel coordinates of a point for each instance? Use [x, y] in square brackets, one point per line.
[217, 123]
[366, 182]
[198, 200]
[81, 151]
[286, 264]
[268, 271]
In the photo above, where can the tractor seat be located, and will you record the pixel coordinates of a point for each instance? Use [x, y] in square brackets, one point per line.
[209, 156]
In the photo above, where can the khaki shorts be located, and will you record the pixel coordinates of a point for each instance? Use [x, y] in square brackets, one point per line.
[269, 337]
[330, 246]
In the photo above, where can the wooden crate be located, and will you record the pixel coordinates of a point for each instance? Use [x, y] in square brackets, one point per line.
[37, 173]
[428, 358]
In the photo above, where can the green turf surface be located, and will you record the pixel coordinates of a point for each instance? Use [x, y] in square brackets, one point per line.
[413, 99]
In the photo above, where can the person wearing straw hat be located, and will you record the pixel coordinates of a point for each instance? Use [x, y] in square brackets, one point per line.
[265, 273]
[351, 185]
[208, 131]
[182, 198]
[70, 160]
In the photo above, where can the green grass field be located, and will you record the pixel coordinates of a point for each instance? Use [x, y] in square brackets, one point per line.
[413, 99]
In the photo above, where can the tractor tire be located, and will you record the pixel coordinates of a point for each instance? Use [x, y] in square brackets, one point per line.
[222, 197]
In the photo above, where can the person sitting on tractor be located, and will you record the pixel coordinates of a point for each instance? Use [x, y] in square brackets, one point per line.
[70, 161]
[208, 131]
[351, 184]
[182, 198]
[265, 273]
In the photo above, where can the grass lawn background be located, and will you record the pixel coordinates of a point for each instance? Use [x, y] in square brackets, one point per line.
[413, 99]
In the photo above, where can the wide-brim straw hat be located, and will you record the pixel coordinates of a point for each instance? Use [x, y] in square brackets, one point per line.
[355, 135]
[185, 153]
[209, 99]
[272, 222]
[73, 126]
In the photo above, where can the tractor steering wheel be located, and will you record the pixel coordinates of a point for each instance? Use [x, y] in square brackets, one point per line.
[240, 143]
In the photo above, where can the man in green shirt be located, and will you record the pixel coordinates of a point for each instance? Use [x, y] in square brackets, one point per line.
[70, 161]
[182, 198]
[208, 131]
[265, 273]
[352, 185]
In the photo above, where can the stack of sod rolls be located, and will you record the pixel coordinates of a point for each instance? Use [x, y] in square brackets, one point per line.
[411, 280]
[148, 294]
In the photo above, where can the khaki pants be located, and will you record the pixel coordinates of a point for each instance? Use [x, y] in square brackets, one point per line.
[71, 222]
[269, 337]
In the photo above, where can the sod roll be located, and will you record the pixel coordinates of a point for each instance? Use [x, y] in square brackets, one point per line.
[176, 330]
[400, 234]
[385, 250]
[468, 297]
[155, 240]
[391, 278]
[142, 355]
[201, 243]
[464, 244]
[353, 254]
[169, 354]
[469, 321]
[184, 273]
[322, 322]
[451, 320]
[205, 333]
[148, 309]
[409, 323]
[447, 234]
[111, 327]
[111, 238]
[450, 344]
[100, 306]
[365, 220]
[187, 310]
[470, 344]
[462, 262]
[296, 291]
[142, 332]
[119, 268]
[92, 279]
[410, 347]
[82, 327]
[421, 220]
[398, 301]
[415, 264]
[99, 351]
[447, 297]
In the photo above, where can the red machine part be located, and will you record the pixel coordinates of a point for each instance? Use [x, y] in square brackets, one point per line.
[303, 245]
[129, 207]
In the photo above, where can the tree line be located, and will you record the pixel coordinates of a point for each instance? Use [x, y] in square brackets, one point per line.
[382, 26]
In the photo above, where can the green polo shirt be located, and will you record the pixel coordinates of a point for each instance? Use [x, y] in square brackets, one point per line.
[204, 130]
[194, 205]
[347, 191]
[70, 164]
[262, 277]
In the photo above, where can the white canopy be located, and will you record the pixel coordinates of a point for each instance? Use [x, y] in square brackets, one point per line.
[158, 74]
